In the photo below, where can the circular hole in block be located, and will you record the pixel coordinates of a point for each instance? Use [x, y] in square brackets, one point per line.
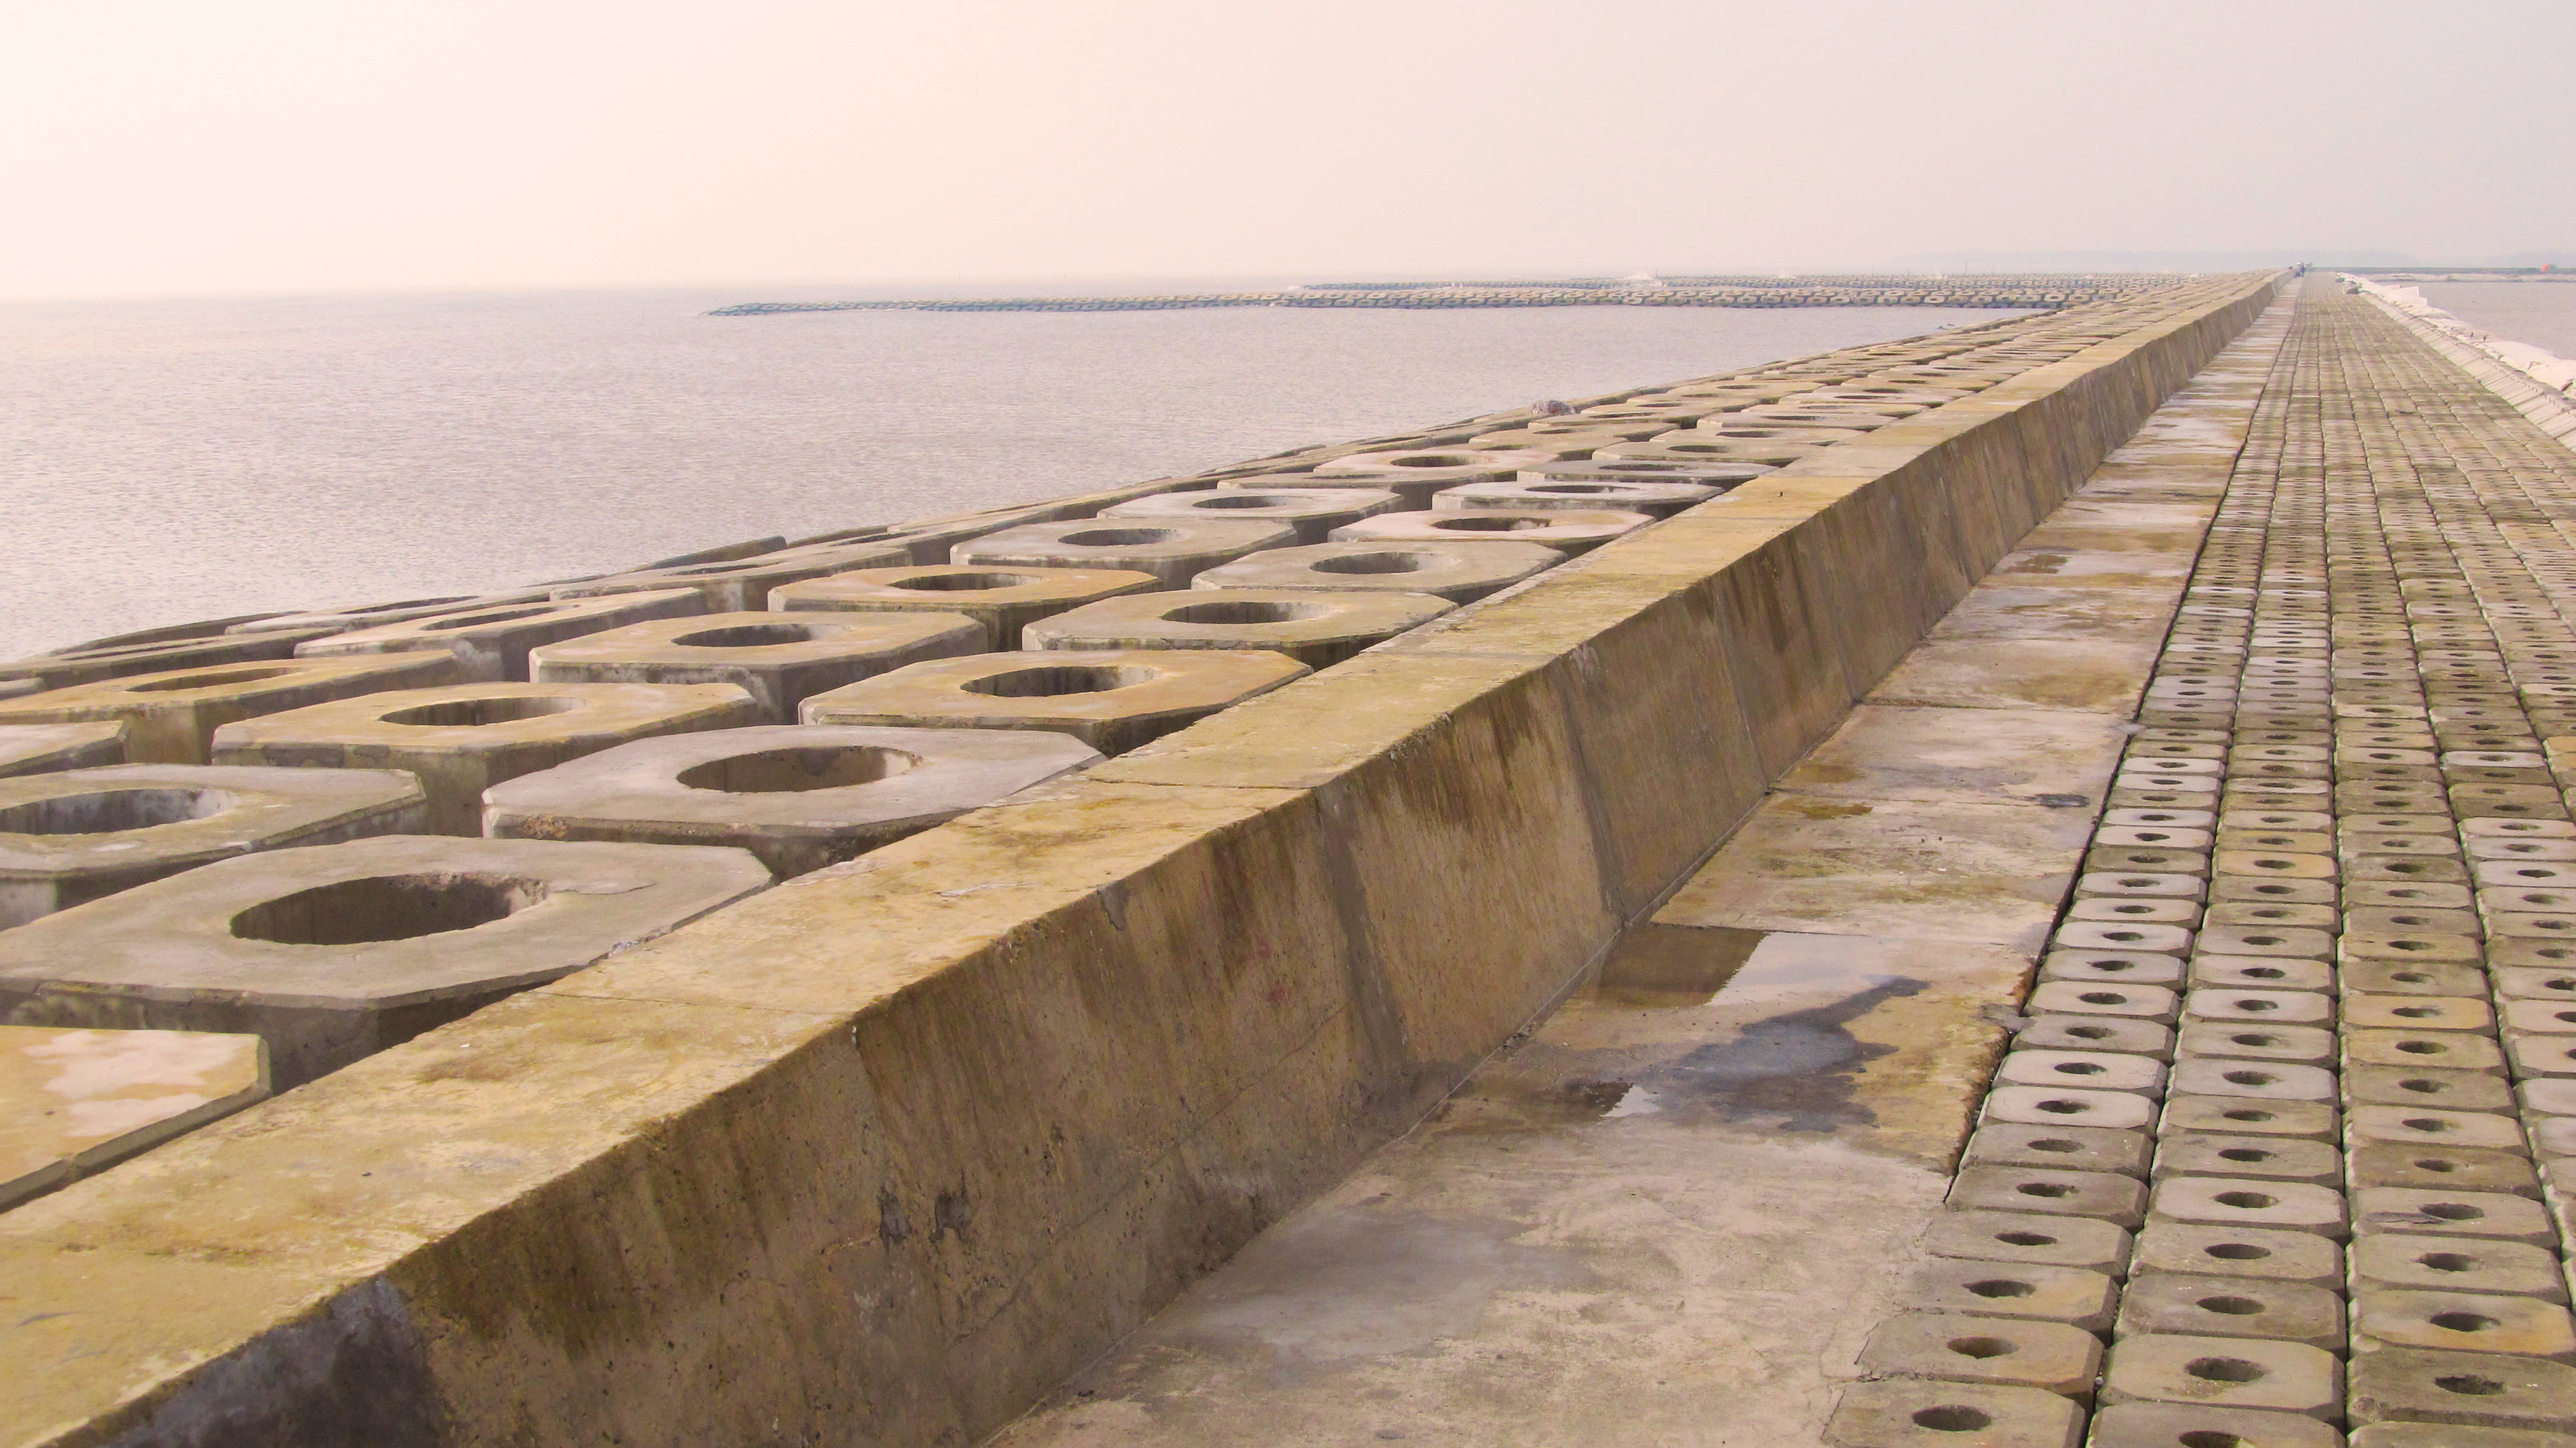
[1373, 563]
[1243, 500]
[1952, 1418]
[2463, 1322]
[2225, 1370]
[963, 582]
[789, 771]
[2077, 1068]
[2251, 1078]
[2453, 1211]
[2001, 1287]
[749, 636]
[477, 713]
[210, 681]
[2211, 1438]
[2045, 1189]
[2246, 1154]
[1981, 1347]
[2026, 1239]
[2247, 1113]
[1586, 488]
[2089, 1033]
[1119, 537]
[109, 811]
[386, 907]
[1435, 460]
[1052, 681]
[2231, 1306]
[2449, 1261]
[2469, 1385]
[1239, 611]
[1472, 524]
[2248, 1201]
[2236, 1251]
[2057, 1145]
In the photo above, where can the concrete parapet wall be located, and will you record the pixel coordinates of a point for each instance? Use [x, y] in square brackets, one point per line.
[881, 1154]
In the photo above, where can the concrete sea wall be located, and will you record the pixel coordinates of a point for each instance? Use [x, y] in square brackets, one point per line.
[880, 1154]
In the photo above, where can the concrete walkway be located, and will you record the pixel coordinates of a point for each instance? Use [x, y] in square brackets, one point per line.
[1672, 1213]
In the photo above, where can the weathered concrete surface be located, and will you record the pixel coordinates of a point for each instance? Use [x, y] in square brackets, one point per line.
[1174, 550]
[331, 955]
[798, 797]
[1458, 572]
[75, 1101]
[1110, 699]
[491, 644]
[115, 660]
[1074, 1049]
[1673, 1214]
[171, 717]
[779, 659]
[1566, 530]
[464, 739]
[1316, 629]
[1313, 512]
[74, 836]
[43, 748]
[743, 585]
[1003, 600]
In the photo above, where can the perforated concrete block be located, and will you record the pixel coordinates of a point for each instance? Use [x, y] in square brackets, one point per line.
[2210, 1306]
[45, 748]
[2251, 1202]
[1458, 572]
[2462, 1322]
[779, 659]
[742, 585]
[1313, 512]
[1418, 474]
[2014, 1236]
[1563, 529]
[1174, 550]
[1548, 490]
[75, 836]
[330, 955]
[2267, 1254]
[2004, 1352]
[491, 645]
[2456, 1435]
[2473, 1389]
[2421, 1211]
[461, 741]
[2457, 1264]
[798, 797]
[1315, 628]
[1908, 1414]
[2187, 1425]
[2052, 1192]
[1111, 700]
[75, 1101]
[65, 668]
[171, 718]
[1003, 600]
[2226, 1372]
[2005, 1289]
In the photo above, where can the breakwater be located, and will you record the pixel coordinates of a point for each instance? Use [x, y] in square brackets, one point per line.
[884, 1151]
[1743, 291]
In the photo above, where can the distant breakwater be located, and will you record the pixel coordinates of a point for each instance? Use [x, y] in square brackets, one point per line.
[1821, 291]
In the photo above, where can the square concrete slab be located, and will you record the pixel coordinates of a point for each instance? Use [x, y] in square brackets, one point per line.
[2049, 757]
[1916, 870]
[2096, 676]
[331, 955]
[74, 1101]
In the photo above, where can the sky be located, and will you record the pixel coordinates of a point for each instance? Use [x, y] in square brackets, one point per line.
[183, 147]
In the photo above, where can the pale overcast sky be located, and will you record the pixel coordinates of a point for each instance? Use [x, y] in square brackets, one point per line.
[182, 146]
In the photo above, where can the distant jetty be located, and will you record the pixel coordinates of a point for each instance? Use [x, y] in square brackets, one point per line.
[1710, 291]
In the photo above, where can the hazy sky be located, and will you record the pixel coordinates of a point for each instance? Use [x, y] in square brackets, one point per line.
[156, 146]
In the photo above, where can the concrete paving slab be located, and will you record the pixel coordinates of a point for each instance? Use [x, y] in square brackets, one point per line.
[2095, 676]
[2055, 758]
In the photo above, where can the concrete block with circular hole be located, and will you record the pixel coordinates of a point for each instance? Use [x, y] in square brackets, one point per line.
[76, 1101]
[2007, 1352]
[171, 718]
[1416, 475]
[2225, 1372]
[1313, 512]
[1693, 446]
[45, 748]
[463, 740]
[1003, 600]
[492, 644]
[332, 955]
[75, 836]
[798, 797]
[1458, 572]
[779, 659]
[344, 620]
[1902, 1413]
[1643, 473]
[1174, 550]
[1655, 500]
[1316, 629]
[2470, 1389]
[2191, 1425]
[1565, 529]
[742, 585]
[1112, 700]
[67, 667]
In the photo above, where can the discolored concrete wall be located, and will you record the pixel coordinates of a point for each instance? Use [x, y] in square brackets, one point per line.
[879, 1155]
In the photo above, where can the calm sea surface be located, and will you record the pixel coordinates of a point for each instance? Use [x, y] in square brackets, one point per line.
[168, 460]
[2539, 314]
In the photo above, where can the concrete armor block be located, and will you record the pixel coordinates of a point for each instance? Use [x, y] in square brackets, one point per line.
[1547, 491]
[43, 748]
[171, 718]
[491, 644]
[1418, 475]
[1173, 550]
[1112, 700]
[780, 659]
[343, 620]
[463, 740]
[743, 584]
[1565, 530]
[1313, 512]
[332, 955]
[799, 797]
[115, 661]
[75, 836]
[77, 1101]
[1003, 600]
[1458, 572]
[1316, 629]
